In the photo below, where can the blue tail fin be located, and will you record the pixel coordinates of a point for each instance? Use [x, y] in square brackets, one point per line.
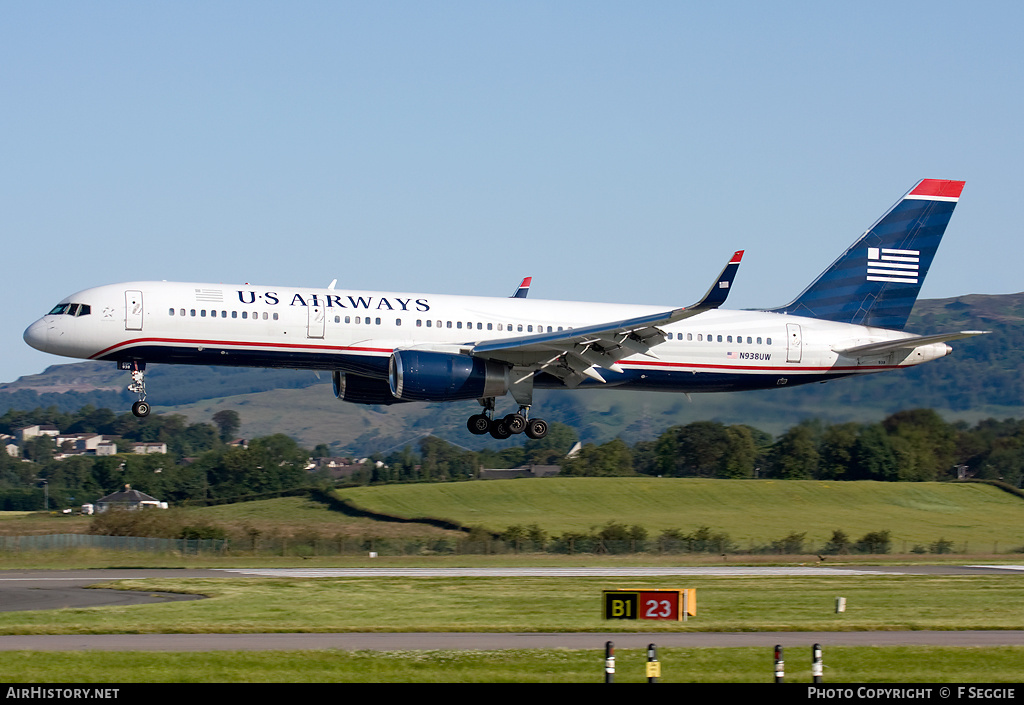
[876, 281]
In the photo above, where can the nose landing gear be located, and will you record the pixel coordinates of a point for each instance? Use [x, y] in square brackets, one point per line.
[141, 408]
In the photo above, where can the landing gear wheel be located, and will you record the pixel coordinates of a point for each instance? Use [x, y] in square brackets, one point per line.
[537, 429]
[516, 423]
[140, 409]
[478, 424]
[499, 429]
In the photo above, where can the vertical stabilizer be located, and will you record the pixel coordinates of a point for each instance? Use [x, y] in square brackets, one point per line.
[877, 280]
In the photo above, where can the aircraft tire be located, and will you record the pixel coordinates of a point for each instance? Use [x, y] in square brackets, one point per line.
[141, 409]
[499, 430]
[478, 424]
[537, 429]
[516, 423]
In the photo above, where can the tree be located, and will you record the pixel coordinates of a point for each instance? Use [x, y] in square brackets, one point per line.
[610, 459]
[836, 451]
[924, 444]
[229, 423]
[873, 456]
[795, 455]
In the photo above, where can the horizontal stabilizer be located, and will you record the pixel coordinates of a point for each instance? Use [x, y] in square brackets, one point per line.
[908, 343]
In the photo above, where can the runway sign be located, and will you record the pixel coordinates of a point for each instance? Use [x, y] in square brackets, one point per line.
[671, 605]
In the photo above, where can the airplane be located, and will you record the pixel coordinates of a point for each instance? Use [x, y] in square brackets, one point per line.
[391, 347]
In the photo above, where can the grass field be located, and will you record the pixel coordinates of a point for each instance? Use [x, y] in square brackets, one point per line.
[735, 665]
[542, 604]
[974, 517]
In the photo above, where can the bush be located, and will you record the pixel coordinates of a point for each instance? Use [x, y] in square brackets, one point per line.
[153, 523]
[789, 545]
[838, 544]
[874, 542]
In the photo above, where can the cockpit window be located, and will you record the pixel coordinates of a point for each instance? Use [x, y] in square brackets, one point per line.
[71, 310]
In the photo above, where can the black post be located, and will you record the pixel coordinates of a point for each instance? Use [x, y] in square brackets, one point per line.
[780, 669]
[816, 665]
[653, 667]
[609, 662]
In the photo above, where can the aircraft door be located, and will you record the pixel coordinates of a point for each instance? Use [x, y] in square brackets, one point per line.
[317, 319]
[794, 343]
[133, 310]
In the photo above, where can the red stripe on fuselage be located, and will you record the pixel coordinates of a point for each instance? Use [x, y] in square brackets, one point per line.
[228, 343]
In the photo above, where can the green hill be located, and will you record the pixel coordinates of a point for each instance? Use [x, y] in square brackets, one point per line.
[752, 512]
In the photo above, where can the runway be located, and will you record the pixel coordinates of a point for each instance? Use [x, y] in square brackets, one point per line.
[53, 589]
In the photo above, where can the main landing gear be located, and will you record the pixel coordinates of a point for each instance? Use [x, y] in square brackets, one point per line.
[503, 427]
[140, 408]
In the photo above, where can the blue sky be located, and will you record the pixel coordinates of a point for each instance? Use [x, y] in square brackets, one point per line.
[613, 151]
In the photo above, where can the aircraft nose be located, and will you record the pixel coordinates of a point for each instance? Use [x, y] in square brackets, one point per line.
[37, 335]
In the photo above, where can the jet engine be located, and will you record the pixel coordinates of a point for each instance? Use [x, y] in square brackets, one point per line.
[362, 390]
[421, 375]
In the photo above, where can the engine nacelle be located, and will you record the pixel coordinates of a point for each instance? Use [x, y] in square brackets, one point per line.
[420, 375]
[362, 390]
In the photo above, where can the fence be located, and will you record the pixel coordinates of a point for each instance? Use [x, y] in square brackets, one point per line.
[314, 544]
[45, 542]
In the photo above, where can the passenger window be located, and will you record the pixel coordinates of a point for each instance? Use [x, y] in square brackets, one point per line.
[234, 314]
[719, 339]
[398, 321]
[428, 324]
[377, 321]
[490, 326]
[728, 339]
[758, 340]
[458, 325]
[245, 314]
[769, 341]
[171, 312]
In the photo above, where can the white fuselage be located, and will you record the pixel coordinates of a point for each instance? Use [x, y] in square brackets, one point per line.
[357, 331]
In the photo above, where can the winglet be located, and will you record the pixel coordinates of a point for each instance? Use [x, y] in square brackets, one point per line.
[719, 291]
[523, 289]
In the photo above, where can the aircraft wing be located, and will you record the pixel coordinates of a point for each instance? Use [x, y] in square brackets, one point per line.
[572, 354]
[906, 343]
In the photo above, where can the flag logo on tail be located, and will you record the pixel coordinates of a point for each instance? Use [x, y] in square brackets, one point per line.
[887, 265]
